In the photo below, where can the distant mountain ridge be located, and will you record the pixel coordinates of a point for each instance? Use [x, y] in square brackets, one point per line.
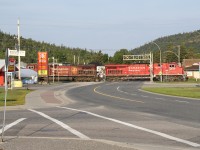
[174, 47]
[190, 40]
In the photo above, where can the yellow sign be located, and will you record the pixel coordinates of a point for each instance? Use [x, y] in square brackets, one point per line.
[42, 72]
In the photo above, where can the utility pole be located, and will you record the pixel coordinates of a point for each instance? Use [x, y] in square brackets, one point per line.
[179, 55]
[74, 59]
[53, 69]
[151, 67]
[18, 49]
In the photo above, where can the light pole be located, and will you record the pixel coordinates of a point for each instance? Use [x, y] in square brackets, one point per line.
[178, 55]
[160, 60]
[18, 48]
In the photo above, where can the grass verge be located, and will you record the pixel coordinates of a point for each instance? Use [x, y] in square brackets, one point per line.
[14, 97]
[192, 92]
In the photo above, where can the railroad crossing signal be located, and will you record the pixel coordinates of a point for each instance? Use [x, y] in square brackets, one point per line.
[137, 57]
[142, 57]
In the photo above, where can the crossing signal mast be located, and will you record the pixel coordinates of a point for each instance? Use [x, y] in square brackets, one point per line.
[142, 57]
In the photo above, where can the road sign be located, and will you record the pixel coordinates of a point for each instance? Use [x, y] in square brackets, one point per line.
[16, 53]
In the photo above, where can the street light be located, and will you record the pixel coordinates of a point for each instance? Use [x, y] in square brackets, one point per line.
[177, 55]
[160, 61]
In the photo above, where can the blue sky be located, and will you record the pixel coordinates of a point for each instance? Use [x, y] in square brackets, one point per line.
[106, 25]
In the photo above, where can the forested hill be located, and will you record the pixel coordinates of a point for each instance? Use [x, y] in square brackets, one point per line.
[61, 53]
[189, 46]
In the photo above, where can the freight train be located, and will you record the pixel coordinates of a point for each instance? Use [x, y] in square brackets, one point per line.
[113, 72]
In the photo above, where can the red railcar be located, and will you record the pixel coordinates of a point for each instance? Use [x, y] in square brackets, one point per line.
[73, 72]
[126, 72]
[83, 72]
[33, 66]
[59, 70]
[168, 71]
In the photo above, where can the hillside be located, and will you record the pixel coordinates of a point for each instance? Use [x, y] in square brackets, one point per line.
[189, 49]
[189, 46]
[60, 53]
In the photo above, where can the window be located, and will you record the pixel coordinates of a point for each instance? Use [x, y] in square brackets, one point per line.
[172, 66]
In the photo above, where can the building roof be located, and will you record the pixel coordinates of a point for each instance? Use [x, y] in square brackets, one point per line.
[2, 63]
[192, 68]
[190, 62]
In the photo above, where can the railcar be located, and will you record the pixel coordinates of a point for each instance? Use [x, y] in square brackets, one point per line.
[83, 73]
[60, 72]
[117, 72]
[169, 72]
[33, 66]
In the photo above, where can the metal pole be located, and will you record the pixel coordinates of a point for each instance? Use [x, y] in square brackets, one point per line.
[6, 92]
[160, 61]
[18, 48]
[53, 69]
[151, 67]
[199, 71]
[179, 57]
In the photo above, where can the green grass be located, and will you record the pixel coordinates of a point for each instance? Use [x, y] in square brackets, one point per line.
[14, 97]
[192, 92]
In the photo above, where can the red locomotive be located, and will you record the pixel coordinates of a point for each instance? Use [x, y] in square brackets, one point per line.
[168, 71]
[68, 72]
[72, 72]
[125, 71]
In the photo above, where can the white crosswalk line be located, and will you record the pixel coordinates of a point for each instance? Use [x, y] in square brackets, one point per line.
[75, 132]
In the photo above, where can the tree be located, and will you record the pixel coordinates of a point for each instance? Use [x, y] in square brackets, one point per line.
[118, 56]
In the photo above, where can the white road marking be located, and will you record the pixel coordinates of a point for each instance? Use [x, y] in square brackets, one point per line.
[75, 132]
[11, 124]
[160, 98]
[174, 100]
[144, 96]
[138, 127]
[116, 96]
[181, 101]
[124, 91]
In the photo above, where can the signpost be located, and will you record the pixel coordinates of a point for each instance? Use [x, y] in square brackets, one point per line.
[6, 91]
[16, 53]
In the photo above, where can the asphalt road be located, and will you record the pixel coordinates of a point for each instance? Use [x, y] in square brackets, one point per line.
[103, 116]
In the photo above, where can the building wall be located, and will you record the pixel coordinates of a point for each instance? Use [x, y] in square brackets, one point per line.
[1, 78]
[193, 74]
